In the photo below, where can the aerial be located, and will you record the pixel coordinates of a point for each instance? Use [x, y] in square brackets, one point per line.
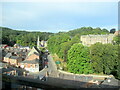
[59, 44]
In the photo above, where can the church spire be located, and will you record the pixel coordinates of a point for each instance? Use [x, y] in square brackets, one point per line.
[38, 43]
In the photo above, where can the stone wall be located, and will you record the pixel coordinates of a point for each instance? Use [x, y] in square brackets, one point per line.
[82, 77]
[92, 39]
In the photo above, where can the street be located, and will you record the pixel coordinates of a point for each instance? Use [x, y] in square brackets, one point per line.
[51, 64]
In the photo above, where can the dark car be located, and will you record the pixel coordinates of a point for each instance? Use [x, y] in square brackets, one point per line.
[42, 77]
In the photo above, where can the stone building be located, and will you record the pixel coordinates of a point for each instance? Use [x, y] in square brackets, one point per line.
[14, 60]
[33, 59]
[7, 57]
[30, 65]
[33, 56]
[117, 33]
[92, 39]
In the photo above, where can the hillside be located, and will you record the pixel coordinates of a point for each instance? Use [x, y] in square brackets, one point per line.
[88, 30]
[25, 38]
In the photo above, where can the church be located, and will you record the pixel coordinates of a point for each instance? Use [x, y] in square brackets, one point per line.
[33, 61]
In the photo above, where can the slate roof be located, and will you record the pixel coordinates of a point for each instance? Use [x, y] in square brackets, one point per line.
[36, 53]
[8, 55]
[7, 70]
[20, 53]
[3, 64]
[3, 53]
[17, 50]
[14, 57]
[37, 49]
[31, 57]
[23, 57]
[31, 61]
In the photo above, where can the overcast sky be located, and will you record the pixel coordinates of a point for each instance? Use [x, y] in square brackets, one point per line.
[59, 16]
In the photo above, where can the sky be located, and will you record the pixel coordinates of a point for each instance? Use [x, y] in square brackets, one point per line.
[58, 16]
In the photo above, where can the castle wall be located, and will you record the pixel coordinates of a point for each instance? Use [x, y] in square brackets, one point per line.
[92, 39]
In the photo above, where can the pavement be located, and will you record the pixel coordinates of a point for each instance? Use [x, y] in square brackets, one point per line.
[52, 68]
[41, 73]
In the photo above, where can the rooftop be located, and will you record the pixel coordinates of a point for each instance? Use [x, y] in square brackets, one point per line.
[31, 61]
[14, 57]
[8, 55]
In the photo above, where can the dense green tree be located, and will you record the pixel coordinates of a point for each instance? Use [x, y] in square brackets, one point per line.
[88, 30]
[116, 39]
[116, 70]
[64, 49]
[67, 45]
[23, 38]
[104, 58]
[79, 60]
[96, 54]
[54, 43]
[112, 30]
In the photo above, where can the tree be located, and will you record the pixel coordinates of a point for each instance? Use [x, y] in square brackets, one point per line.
[67, 45]
[112, 30]
[116, 39]
[96, 54]
[23, 38]
[54, 42]
[87, 30]
[116, 70]
[79, 60]
[104, 58]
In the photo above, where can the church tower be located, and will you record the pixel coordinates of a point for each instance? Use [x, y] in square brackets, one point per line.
[38, 43]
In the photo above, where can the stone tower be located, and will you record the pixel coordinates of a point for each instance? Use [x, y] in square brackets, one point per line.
[38, 43]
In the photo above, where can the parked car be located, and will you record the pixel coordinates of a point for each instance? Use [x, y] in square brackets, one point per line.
[42, 77]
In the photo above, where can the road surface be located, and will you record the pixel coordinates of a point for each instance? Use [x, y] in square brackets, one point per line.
[52, 68]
